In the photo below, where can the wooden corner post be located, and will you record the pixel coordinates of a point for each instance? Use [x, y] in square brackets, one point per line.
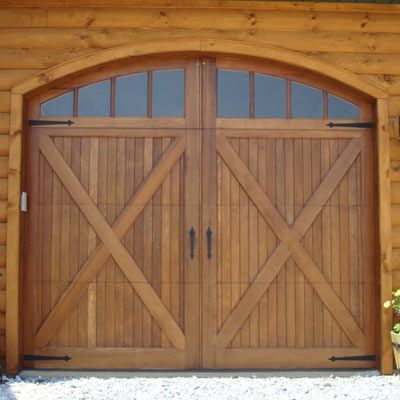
[13, 236]
[385, 233]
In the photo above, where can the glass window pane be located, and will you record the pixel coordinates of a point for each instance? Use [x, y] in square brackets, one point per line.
[307, 102]
[131, 95]
[233, 94]
[269, 96]
[61, 106]
[342, 109]
[94, 100]
[169, 93]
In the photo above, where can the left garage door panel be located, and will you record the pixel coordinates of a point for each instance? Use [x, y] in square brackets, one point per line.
[105, 231]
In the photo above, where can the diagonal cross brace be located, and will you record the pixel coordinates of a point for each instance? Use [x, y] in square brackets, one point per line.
[110, 244]
[290, 243]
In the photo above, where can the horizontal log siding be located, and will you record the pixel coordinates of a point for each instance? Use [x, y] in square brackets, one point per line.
[364, 39]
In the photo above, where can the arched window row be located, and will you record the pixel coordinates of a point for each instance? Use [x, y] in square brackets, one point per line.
[241, 94]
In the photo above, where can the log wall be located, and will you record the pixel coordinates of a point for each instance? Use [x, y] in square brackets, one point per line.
[36, 35]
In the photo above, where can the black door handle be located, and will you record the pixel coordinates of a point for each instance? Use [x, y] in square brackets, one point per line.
[209, 239]
[192, 232]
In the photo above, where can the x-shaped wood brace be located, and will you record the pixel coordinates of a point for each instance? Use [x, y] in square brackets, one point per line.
[290, 243]
[111, 243]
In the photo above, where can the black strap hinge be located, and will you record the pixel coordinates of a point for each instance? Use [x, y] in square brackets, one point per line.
[370, 357]
[38, 122]
[36, 357]
[351, 124]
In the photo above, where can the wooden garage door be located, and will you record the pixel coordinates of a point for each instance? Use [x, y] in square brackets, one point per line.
[291, 280]
[199, 214]
[111, 201]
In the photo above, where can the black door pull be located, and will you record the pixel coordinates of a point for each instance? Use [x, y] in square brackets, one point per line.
[192, 232]
[209, 238]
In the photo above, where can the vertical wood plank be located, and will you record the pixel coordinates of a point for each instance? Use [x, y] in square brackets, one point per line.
[92, 240]
[299, 277]
[110, 265]
[326, 244]
[290, 268]
[101, 276]
[265, 171]
[335, 244]
[83, 241]
[147, 242]
[65, 239]
[119, 277]
[385, 231]
[56, 240]
[175, 238]
[138, 246]
[344, 243]
[235, 244]
[129, 243]
[271, 240]
[13, 236]
[166, 243]
[47, 207]
[212, 209]
[308, 245]
[32, 226]
[281, 277]
[253, 246]
[244, 243]
[74, 162]
[316, 232]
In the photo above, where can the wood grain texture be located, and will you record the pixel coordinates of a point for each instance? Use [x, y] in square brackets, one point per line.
[291, 238]
[5, 102]
[360, 38]
[2, 278]
[13, 234]
[28, 58]
[385, 226]
[100, 37]
[4, 123]
[13, 77]
[92, 59]
[107, 235]
[242, 4]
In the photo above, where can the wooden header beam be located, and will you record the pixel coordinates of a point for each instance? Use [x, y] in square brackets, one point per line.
[228, 4]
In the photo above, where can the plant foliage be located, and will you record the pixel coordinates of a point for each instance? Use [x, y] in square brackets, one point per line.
[394, 304]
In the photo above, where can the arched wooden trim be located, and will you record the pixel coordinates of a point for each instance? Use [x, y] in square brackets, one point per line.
[250, 49]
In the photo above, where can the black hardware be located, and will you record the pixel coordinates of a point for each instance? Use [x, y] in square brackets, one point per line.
[192, 232]
[209, 237]
[35, 357]
[37, 122]
[353, 358]
[351, 124]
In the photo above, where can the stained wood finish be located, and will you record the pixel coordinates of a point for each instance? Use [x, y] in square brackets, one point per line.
[295, 243]
[108, 218]
[291, 206]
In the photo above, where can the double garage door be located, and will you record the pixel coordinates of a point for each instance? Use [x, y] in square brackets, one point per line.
[199, 213]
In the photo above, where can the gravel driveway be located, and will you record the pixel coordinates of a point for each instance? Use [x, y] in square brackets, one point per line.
[191, 388]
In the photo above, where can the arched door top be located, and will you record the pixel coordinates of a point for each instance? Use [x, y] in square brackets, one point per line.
[67, 69]
[245, 89]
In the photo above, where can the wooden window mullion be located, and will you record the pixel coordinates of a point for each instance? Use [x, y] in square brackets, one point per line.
[112, 100]
[150, 94]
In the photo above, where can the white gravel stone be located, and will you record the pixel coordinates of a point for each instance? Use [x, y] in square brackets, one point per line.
[191, 388]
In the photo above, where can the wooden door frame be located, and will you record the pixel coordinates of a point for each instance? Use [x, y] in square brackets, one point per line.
[67, 70]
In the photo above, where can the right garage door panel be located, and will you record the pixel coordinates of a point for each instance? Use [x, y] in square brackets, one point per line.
[295, 279]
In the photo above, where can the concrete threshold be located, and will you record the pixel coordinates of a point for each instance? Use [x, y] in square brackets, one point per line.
[197, 373]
